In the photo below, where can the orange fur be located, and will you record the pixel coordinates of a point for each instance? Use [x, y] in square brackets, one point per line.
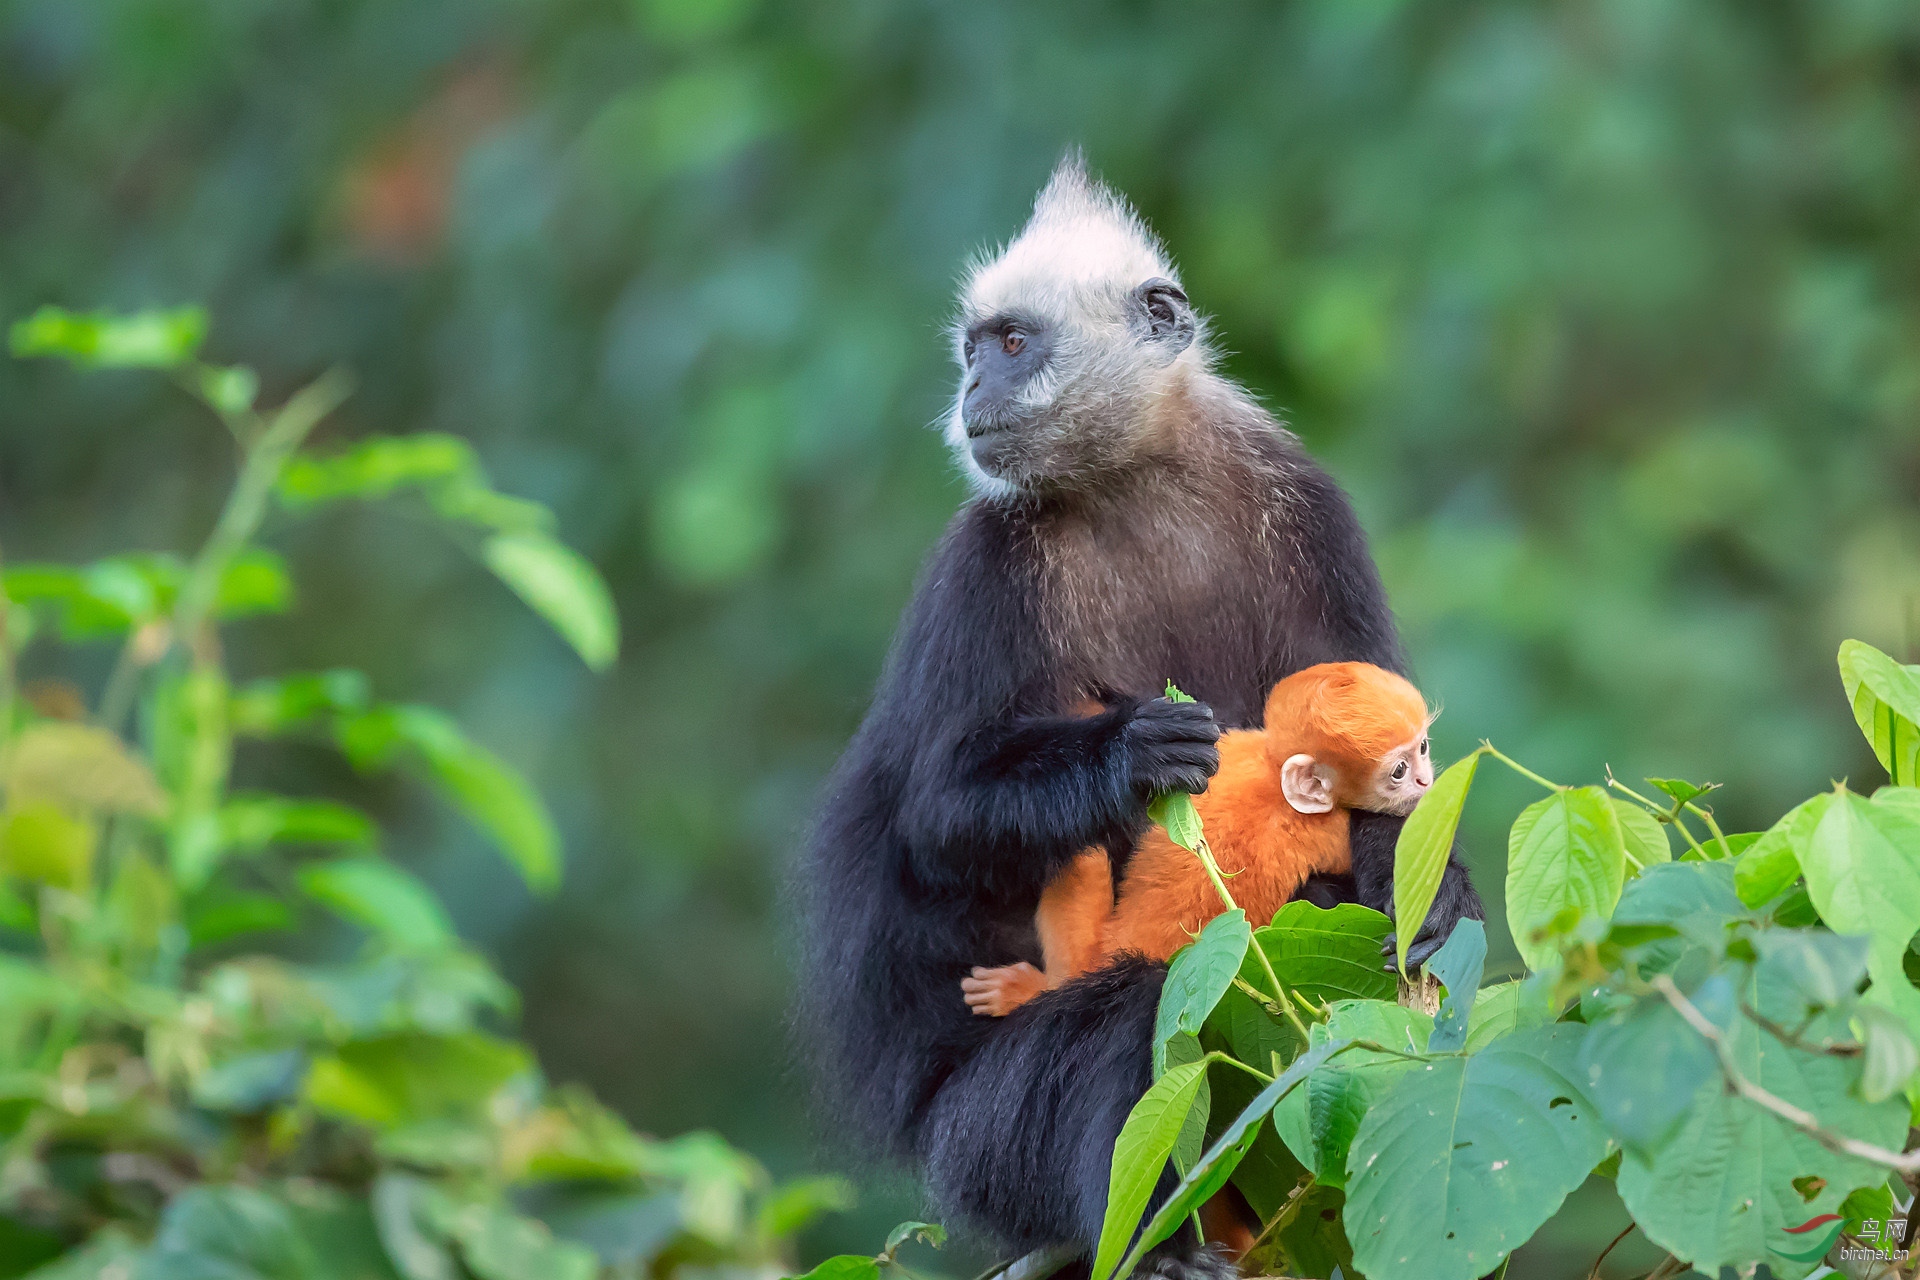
[1347, 714]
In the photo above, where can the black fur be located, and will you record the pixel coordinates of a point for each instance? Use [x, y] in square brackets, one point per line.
[970, 784]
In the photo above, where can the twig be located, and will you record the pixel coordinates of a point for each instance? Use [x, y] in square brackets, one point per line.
[1593, 1272]
[1517, 767]
[1803, 1120]
[1669, 816]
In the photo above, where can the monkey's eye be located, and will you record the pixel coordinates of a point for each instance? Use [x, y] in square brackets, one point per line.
[1423, 746]
[1400, 771]
[966, 349]
[1013, 342]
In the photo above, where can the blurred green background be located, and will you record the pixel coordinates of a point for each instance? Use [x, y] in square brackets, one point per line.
[1606, 314]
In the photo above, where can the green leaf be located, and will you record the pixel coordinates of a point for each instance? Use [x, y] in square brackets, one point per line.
[1326, 955]
[1646, 837]
[1493, 1142]
[562, 587]
[1174, 811]
[1504, 1008]
[1771, 864]
[250, 822]
[928, 1233]
[230, 390]
[45, 844]
[108, 1255]
[1644, 1065]
[1885, 697]
[1197, 977]
[1890, 1059]
[1318, 1122]
[1426, 842]
[1212, 1171]
[251, 1082]
[1457, 965]
[1140, 1156]
[379, 896]
[414, 1077]
[441, 468]
[78, 767]
[1722, 1191]
[498, 1244]
[255, 581]
[1175, 694]
[228, 1233]
[404, 1210]
[1681, 790]
[1862, 868]
[1565, 854]
[101, 340]
[845, 1266]
[269, 708]
[794, 1206]
[493, 796]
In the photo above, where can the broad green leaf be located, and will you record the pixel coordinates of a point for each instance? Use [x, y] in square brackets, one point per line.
[794, 1206]
[1676, 892]
[381, 897]
[411, 1077]
[845, 1266]
[625, 1227]
[1212, 1171]
[45, 844]
[1722, 1191]
[101, 340]
[1862, 868]
[1198, 975]
[562, 587]
[1426, 842]
[230, 1232]
[1812, 969]
[1885, 697]
[498, 1244]
[1140, 1156]
[1325, 955]
[1457, 965]
[1890, 1059]
[1504, 1008]
[1493, 1142]
[78, 766]
[1771, 864]
[214, 917]
[492, 795]
[1645, 836]
[1643, 1065]
[404, 1208]
[250, 822]
[251, 1082]
[1174, 811]
[1318, 1122]
[1565, 854]
[1181, 1049]
[108, 1255]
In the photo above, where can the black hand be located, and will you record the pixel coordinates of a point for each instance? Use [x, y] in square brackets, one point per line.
[1171, 746]
[1422, 947]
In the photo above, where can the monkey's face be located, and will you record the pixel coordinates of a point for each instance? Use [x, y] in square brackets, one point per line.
[1051, 395]
[1403, 776]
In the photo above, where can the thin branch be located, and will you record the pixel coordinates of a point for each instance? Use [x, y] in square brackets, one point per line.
[1593, 1272]
[1517, 767]
[1803, 1120]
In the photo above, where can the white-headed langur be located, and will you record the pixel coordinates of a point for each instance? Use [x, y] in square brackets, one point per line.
[1136, 518]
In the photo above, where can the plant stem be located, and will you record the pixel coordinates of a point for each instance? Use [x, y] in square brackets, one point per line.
[1517, 767]
[1706, 816]
[1803, 1120]
[247, 504]
[1670, 816]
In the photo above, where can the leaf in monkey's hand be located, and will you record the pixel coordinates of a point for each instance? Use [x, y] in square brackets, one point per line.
[1174, 694]
[1199, 975]
[1174, 811]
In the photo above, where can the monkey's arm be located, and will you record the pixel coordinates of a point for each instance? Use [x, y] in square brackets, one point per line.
[1374, 836]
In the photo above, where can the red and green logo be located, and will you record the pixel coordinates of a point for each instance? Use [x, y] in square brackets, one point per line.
[1824, 1229]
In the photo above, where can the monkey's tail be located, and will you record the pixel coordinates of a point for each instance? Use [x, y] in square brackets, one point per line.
[1018, 1142]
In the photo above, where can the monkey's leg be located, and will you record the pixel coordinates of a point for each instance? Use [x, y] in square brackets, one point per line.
[1073, 909]
[997, 992]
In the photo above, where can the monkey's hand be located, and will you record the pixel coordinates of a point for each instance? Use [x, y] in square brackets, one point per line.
[1171, 746]
[1424, 944]
[995, 993]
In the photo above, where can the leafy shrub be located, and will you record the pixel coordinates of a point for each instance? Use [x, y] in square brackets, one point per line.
[1728, 1034]
[177, 1103]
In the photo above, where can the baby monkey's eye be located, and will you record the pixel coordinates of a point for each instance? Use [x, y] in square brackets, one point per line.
[1400, 771]
[1423, 746]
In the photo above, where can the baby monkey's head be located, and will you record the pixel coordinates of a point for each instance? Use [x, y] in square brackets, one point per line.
[1349, 735]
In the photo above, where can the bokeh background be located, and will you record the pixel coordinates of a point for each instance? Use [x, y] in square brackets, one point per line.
[1606, 312]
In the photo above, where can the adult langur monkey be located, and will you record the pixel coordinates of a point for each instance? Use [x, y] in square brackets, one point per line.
[1137, 518]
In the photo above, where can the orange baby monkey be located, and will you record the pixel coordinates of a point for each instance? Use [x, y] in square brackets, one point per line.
[1339, 736]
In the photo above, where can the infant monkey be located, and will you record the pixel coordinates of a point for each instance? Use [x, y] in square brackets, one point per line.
[1339, 736]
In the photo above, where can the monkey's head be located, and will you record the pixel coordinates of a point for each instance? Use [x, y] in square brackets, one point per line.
[1066, 339]
[1349, 735]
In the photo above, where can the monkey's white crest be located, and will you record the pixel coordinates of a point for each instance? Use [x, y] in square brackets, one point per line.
[1083, 238]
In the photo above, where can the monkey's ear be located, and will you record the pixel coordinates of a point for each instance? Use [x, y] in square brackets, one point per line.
[1307, 785]
[1162, 308]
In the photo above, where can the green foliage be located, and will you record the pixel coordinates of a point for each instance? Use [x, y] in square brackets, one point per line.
[179, 1099]
[1737, 1061]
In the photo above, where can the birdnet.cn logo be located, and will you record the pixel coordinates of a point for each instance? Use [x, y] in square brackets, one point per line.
[1865, 1240]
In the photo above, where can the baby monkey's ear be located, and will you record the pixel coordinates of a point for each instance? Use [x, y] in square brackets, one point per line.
[1307, 784]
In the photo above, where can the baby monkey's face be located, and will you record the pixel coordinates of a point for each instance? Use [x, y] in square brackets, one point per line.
[1402, 777]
